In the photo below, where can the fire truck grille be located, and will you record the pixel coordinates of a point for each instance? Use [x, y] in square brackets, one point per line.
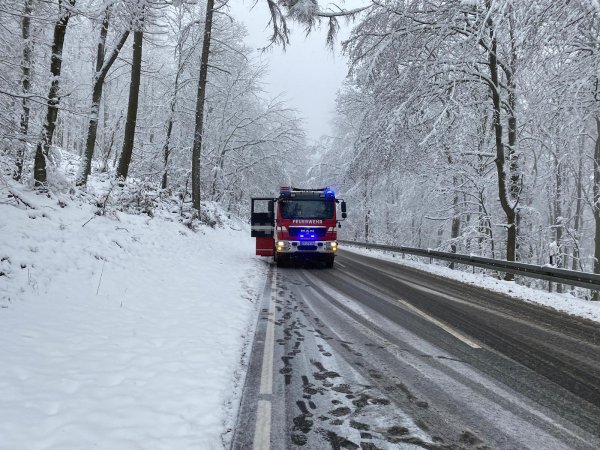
[307, 247]
[307, 233]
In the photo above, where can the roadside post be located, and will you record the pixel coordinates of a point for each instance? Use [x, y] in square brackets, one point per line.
[554, 252]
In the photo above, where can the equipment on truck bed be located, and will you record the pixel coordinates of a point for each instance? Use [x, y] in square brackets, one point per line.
[300, 223]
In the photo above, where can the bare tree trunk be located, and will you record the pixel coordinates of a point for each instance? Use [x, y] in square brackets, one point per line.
[197, 146]
[455, 227]
[455, 223]
[218, 170]
[484, 225]
[43, 146]
[102, 69]
[596, 294]
[578, 211]
[514, 186]
[25, 86]
[167, 151]
[110, 145]
[367, 217]
[506, 190]
[466, 219]
[106, 115]
[167, 146]
[558, 212]
[367, 210]
[512, 154]
[132, 107]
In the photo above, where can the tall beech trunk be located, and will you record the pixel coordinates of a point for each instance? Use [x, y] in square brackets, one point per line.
[102, 69]
[514, 181]
[596, 207]
[575, 264]
[170, 120]
[218, 170]
[197, 146]
[367, 210]
[558, 219]
[507, 191]
[167, 151]
[455, 223]
[43, 146]
[25, 86]
[132, 107]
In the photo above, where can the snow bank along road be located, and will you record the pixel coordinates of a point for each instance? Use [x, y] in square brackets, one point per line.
[376, 355]
[123, 334]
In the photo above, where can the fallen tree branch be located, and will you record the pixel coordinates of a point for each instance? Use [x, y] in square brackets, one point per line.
[18, 198]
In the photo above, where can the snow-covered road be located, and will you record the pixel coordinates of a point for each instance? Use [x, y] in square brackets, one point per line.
[372, 355]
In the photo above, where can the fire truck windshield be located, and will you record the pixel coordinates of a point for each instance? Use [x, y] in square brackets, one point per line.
[307, 209]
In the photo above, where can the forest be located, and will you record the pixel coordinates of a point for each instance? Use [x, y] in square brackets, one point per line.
[470, 126]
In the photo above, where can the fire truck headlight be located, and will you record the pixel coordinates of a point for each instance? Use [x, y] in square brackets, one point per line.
[281, 245]
[332, 246]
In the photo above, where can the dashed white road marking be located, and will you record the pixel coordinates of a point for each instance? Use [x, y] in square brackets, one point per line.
[266, 375]
[457, 334]
[443, 326]
[341, 265]
[262, 432]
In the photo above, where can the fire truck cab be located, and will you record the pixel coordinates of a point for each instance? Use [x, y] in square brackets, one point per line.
[298, 224]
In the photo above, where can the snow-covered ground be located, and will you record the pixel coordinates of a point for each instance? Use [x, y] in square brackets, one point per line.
[562, 302]
[120, 332]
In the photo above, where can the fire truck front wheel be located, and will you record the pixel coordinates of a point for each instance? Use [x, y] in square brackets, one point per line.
[281, 260]
[329, 259]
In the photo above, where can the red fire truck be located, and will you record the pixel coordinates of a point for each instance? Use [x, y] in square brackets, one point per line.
[299, 224]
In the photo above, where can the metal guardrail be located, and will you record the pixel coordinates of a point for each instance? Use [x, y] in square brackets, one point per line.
[548, 273]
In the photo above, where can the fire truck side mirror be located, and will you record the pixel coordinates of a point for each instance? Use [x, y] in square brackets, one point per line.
[343, 208]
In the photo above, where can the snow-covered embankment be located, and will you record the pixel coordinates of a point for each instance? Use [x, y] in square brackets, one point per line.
[119, 332]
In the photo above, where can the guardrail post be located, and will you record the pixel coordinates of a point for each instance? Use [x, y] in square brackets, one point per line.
[554, 250]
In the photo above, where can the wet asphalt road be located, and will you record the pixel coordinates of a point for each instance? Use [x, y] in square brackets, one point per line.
[371, 355]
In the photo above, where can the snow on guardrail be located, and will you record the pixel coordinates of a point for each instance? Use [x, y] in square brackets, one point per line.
[545, 272]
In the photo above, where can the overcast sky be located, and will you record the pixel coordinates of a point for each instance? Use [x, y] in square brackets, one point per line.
[307, 73]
